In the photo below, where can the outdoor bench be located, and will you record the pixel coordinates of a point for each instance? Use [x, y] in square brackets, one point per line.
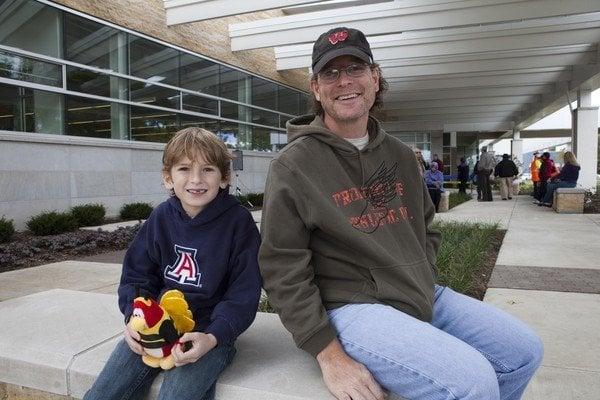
[568, 200]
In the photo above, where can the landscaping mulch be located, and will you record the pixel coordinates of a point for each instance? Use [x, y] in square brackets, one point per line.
[26, 250]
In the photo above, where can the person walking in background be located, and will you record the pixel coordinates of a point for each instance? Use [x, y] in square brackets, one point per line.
[435, 184]
[423, 166]
[439, 162]
[463, 175]
[534, 168]
[484, 170]
[567, 178]
[506, 170]
[547, 169]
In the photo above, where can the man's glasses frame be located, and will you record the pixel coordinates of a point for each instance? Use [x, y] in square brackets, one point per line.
[354, 70]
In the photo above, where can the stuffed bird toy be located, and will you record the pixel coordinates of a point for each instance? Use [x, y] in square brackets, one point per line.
[160, 326]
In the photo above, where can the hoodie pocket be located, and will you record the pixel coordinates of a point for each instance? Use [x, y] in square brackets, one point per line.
[407, 287]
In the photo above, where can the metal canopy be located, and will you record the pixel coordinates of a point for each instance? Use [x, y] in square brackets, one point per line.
[480, 64]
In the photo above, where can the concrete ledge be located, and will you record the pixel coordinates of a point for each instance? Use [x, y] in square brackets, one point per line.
[568, 200]
[444, 202]
[56, 342]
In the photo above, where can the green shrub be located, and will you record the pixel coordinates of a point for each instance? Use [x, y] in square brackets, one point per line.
[243, 199]
[51, 223]
[7, 229]
[89, 214]
[526, 187]
[256, 199]
[135, 211]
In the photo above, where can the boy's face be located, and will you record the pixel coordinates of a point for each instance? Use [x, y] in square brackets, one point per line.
[195, 183]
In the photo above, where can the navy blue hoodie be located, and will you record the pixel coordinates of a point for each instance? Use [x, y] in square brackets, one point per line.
[211, 258]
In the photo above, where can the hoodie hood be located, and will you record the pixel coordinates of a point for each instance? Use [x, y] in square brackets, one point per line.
[313, 126]
[220, 204]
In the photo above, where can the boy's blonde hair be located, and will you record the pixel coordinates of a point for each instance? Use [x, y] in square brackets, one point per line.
[194, 143]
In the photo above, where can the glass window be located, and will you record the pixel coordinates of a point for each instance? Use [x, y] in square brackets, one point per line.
[27, 69]
[289, 101]
[228, 132]
[90, 43]
[152, 125]
[235, 85]
[264, 117]
[235, 111]
[408, 138]
[148, 93]
[205, 123]
[11, 108]
[88, 117]
[199, 74]
[153, 61]
[264, 93]
[200, 104]
[32, 26]
[304, 104]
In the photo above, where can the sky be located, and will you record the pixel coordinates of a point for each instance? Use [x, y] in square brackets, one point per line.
[561, 119]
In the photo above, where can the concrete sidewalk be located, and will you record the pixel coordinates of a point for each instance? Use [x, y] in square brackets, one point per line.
[547, 273]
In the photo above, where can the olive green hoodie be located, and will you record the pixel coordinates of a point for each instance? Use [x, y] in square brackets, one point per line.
[343, 226]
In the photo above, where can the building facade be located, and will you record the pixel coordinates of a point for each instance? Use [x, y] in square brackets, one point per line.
[86, 104]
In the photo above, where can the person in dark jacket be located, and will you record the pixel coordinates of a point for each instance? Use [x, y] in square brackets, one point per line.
[506, 170]
[204, 243]
[547, 169]
[567, 178]
[463, 175]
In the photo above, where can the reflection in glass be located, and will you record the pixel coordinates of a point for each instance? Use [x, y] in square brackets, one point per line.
[205, 123]
[31, 26]
[200, 104]
[153, 61]
[11, 108]
[264, 93]
[228, 132]
[235, 85]
[265, 117]
[152, 125]
[90, 43]
[147, 93]
[88, 117]
[199, 74]
[288, 101]
[27, 69]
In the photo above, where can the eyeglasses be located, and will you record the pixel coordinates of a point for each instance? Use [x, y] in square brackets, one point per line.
[331, 75]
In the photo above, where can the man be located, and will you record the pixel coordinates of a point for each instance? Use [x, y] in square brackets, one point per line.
[534, 168]
[423, 166]
[484, 170]
[434, 179]
[506, 170]
[547, 171]
[349, 261]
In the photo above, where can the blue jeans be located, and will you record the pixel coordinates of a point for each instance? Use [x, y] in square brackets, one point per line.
[126, 377]
[470, 350]
[552, 186]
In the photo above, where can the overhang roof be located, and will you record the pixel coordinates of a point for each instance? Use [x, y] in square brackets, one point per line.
[488, 65]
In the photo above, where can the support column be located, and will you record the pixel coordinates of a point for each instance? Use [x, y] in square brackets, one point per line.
[585, 139]
[516, 149]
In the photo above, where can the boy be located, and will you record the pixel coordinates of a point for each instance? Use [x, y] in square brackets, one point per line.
[203, 242]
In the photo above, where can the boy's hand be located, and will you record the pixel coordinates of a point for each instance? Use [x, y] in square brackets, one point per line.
[132, 338]
[201, 343]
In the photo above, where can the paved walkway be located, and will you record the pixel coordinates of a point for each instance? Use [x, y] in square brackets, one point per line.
[547, 273]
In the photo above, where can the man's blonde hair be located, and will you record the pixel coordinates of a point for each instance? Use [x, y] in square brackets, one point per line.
[195, 143]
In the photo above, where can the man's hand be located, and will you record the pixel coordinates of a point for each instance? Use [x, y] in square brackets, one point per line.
[202, 343]
[345, 378]
[132, 339]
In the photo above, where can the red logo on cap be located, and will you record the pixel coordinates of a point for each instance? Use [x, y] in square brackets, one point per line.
[339, 36]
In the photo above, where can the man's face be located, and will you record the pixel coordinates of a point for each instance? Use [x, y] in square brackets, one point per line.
[348, 98]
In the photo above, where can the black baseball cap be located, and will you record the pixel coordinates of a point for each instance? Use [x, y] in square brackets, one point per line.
[340, 42]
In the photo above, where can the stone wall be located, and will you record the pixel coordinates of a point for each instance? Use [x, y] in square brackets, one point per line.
[40, 172]
[209, 38]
